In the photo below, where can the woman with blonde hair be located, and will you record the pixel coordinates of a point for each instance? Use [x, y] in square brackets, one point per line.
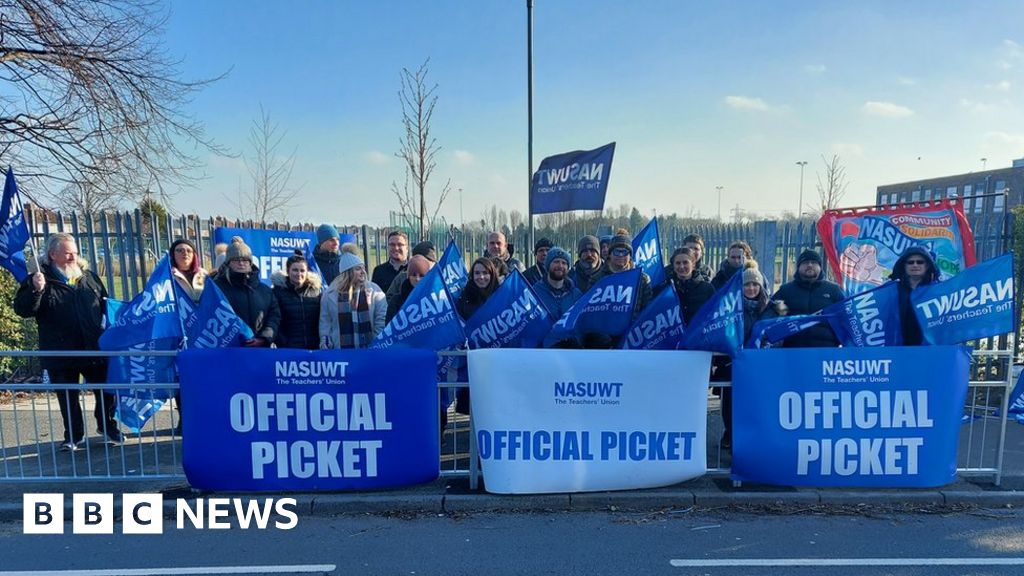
[352, 309]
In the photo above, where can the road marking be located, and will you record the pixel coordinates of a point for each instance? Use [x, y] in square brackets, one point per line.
[765, 562]
[284, 569]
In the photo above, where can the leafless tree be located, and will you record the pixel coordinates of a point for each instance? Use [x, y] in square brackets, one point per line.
[92, 104]
[271, 191]
[418, 149]
[832, 184]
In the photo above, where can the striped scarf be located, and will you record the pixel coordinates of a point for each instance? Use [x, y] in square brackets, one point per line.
[355, 328]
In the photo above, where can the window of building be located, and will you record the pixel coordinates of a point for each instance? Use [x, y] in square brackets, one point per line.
[927, 195]
[951, 192]
[999, 202]
[979, 204]
[915, 196]
[968, 192]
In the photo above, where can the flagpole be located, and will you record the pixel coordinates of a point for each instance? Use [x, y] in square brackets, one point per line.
[529, 112]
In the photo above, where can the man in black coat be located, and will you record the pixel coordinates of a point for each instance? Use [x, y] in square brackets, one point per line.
[68, 303]
[252, 301]
[808, 293]
[398, 260]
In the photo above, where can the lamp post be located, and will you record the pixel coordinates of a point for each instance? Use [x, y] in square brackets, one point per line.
[800, 206]
[984, 162]
[719, 189]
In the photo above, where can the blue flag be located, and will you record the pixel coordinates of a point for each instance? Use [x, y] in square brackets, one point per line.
[13, 230]
[871, 318]
[1016, 404]
[426, 320]
[647, 253]
[213, 323]
[607, 308]
[453, 270]
[151, 315]
[976, 303]
[512, 317]
[572, 181]
[767, 333]
[659, 326]
[718, 325]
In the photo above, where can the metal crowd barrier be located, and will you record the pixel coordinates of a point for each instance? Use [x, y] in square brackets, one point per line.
[31, 429]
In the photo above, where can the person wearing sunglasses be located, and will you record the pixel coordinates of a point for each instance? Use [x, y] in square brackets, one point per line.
[914, 268]
[620, 259]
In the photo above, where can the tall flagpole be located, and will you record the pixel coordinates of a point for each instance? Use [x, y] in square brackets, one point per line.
[529, 116]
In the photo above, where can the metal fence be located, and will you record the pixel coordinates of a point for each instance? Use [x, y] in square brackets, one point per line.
[31, 431]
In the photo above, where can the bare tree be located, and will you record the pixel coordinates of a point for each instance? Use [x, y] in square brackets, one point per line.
[832, 185]
[92, 103]
[271, 193]
[418, 149]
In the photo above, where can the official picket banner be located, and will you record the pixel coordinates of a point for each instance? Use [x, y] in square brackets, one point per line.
[586, 420]
[647, 253]
[718, 324]
[453, 270]
[659, 326]
[607, 309]
[572, 181]
[282, 419]
[13, 230]
[862, 245]
[855, 417]
[427, 319]
[512, 317]
[977, 303]
[871, 318]
[271, 248]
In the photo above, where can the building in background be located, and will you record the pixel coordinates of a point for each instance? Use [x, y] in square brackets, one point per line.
[968, 187]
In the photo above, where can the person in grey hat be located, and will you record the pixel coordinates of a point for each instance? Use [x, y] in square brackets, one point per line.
[808, 293]
[352, 309]
[536, 272]
[589, 266]
[556, 290]
[253, 301]
[424, 249]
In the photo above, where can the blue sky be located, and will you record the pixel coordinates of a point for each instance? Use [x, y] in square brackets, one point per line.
[696, 95]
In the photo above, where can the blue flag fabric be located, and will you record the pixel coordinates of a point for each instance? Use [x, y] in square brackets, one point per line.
[513, 317]
[647, 253]
[13, 230]
[426, 320]
[718, 325]
[769, 332]
[213, 323]
[659, 326]
[976, 303]
[453, 270]
[607, 308]
[1016, 405]
[871, 318]
[151, 315]
[572, 181]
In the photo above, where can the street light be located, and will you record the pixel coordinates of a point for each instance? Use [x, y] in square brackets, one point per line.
[984, 162]
[719, 188]
[800, 206]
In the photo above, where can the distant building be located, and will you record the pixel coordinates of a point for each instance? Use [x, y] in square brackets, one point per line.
[965, 186]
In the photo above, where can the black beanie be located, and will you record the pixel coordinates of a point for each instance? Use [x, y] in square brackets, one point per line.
[808, 254]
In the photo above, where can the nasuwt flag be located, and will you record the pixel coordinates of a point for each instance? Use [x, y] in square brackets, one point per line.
[453, 270]
[212, 323]
[513, 317]
[771, 331]
[572, 181]
[976, 303]
[659, 326]
[871, 318]
[718, 324]
[272, 248]
[647, 253]
[1016, 404]
[607, 309]
[13, 230]
[427, 319]
[863, 245]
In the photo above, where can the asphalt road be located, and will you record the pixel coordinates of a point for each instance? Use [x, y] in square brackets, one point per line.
[673, 542]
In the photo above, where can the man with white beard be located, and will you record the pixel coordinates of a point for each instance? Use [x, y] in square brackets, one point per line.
[69, 303]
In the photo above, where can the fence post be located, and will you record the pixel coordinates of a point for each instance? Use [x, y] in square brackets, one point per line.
[764, 241]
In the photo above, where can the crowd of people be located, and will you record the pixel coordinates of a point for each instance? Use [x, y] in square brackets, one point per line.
[344, 307]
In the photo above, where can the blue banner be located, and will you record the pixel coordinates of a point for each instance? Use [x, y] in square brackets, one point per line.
[13, 230]
[213, 323]
[271, 248]
[453, 270]
[859, 417]
[151, 315]
[607, 308]
[647, 253]
[512, 317]
[871, 318]
[718, 325]
[426, 320]
[975, 303]
[572, 181]
[286, 419]
[771, 331]
[659, 326]
[1016, 404]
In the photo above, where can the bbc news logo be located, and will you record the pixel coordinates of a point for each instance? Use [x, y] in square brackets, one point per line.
[144, 513]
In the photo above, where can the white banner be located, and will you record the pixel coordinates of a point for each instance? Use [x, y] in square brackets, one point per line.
[589, 420]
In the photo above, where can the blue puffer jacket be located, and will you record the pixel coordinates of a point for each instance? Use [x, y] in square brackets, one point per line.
[559, 301]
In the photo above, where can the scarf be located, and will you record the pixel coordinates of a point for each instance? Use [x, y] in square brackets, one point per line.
[355, 327]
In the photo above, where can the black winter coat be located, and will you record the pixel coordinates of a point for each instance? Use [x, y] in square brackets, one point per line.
[692, 294]
[69, 317]
[328, 263]
[252, 300]
[384, 274]
[300, 312]
[803, 297]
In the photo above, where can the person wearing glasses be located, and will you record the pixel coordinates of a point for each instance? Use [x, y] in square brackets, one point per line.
[186, 269]
[915, 267]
